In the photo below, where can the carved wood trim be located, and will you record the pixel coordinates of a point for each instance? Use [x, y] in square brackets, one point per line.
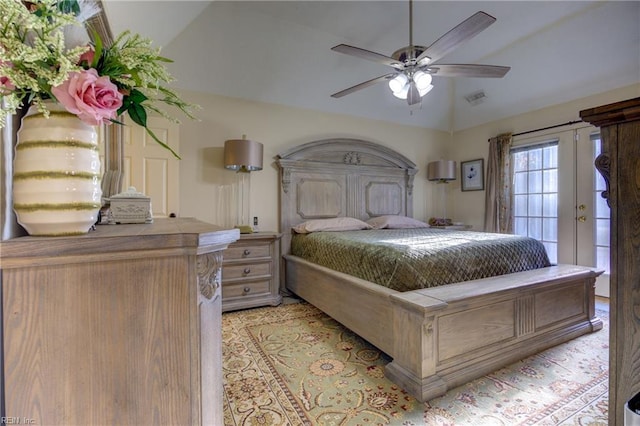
[525, 315]
[616, 113]
[286, 179]
[603, 165]
[209, 266]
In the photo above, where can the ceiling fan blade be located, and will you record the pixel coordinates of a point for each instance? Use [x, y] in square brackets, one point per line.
[363, 85]
[459, 34]
[368, 55]
[468, 70]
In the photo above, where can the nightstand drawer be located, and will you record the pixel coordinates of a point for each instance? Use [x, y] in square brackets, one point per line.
[252, 251]
[245, 289]
[247, 270]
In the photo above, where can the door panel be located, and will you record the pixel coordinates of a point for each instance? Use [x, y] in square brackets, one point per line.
[150, 168]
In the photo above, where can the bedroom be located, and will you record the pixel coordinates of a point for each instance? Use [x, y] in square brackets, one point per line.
[280, 127]
[439, 129]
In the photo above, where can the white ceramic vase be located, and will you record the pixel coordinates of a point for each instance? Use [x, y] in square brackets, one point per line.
[56, 174]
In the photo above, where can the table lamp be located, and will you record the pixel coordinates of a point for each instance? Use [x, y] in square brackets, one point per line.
[243, 156]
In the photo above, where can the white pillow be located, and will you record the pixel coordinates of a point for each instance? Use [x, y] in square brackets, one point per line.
[333, 224]
[395, 222]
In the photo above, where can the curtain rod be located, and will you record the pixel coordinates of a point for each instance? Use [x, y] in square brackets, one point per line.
[568, 123]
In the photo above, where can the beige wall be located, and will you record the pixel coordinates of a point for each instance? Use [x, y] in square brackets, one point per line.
[469, 144]
[280, 128]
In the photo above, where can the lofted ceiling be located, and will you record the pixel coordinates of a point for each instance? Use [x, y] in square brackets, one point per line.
[280, 52]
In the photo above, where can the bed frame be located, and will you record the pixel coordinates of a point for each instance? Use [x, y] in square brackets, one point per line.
[440, 337]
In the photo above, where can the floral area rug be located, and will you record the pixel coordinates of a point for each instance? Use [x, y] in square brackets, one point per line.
[293, 365]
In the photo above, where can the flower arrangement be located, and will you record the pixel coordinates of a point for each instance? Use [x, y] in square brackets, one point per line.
[41, 57]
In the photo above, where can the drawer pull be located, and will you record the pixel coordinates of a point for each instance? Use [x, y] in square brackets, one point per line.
[246, 252]
[247, 271]
[246, 289]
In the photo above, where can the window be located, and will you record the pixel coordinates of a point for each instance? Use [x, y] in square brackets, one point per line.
[535, 189]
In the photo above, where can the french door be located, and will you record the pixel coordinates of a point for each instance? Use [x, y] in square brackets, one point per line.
[592, 211]
[557, 198]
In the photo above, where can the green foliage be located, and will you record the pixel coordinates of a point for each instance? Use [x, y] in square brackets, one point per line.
[34, 57]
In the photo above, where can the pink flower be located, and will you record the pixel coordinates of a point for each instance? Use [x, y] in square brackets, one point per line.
[92, 98]
[86, 59]
[6, 86]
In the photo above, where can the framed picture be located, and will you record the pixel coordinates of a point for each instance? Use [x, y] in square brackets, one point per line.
[472, 175]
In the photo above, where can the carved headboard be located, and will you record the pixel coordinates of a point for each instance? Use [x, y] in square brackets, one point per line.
[342, 177]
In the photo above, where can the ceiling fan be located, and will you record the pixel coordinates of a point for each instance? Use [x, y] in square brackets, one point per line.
[414, 66]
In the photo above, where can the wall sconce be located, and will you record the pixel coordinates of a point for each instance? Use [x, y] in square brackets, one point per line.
[442, 171]
[243, 156]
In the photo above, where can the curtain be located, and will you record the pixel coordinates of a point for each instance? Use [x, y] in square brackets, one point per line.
[498, 210]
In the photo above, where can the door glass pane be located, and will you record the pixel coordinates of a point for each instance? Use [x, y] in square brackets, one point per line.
[552, 251]
[602, 232]
[602, 209]
[520, 183]
[535, 159]
[535, 228]
[550, 155]
[550, 205]
[550, 180]
[520, 225]
[535, 182]
[535, 205]
[550, 229]
[602, 259]
[519, 161]
[520, 205]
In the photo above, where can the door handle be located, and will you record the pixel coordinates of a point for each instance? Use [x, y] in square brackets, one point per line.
[582, 218]
[582, 207]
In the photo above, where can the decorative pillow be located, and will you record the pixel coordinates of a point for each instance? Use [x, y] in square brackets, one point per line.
[333, 224]
[395, 222]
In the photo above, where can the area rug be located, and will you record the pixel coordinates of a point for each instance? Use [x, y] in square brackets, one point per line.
[294, 365]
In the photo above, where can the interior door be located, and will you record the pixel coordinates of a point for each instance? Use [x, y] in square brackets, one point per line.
[150, 168]
[592, 212]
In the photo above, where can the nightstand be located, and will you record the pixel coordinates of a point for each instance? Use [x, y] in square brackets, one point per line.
[250, 272]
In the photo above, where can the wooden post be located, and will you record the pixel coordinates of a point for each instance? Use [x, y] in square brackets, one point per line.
[619, 164]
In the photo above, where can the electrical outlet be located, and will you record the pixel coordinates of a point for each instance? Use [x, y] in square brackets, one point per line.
[255, 221]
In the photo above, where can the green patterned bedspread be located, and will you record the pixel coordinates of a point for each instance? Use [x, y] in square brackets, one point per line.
[409, 259]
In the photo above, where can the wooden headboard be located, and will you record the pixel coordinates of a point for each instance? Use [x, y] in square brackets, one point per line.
[342, 177]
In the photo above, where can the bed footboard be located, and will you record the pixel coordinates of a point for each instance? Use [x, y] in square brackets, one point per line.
[449, 335]
[445, 336]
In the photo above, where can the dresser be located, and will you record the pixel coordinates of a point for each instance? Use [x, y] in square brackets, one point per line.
[118, 326]
[619, 163]
[250, 272]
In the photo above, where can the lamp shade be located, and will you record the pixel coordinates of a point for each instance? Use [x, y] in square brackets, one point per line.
[441, 170]
[243, 155]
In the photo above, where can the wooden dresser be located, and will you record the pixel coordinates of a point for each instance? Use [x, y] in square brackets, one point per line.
[619, 164]
[119, 326]
[250, 272]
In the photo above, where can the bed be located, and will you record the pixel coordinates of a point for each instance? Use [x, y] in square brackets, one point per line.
[438, 337]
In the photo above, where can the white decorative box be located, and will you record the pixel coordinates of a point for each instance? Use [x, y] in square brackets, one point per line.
[130, 206]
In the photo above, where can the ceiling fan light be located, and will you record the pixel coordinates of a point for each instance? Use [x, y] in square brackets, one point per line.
[425, 90]
[398, 82]
[422, 79]
[402, 93]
